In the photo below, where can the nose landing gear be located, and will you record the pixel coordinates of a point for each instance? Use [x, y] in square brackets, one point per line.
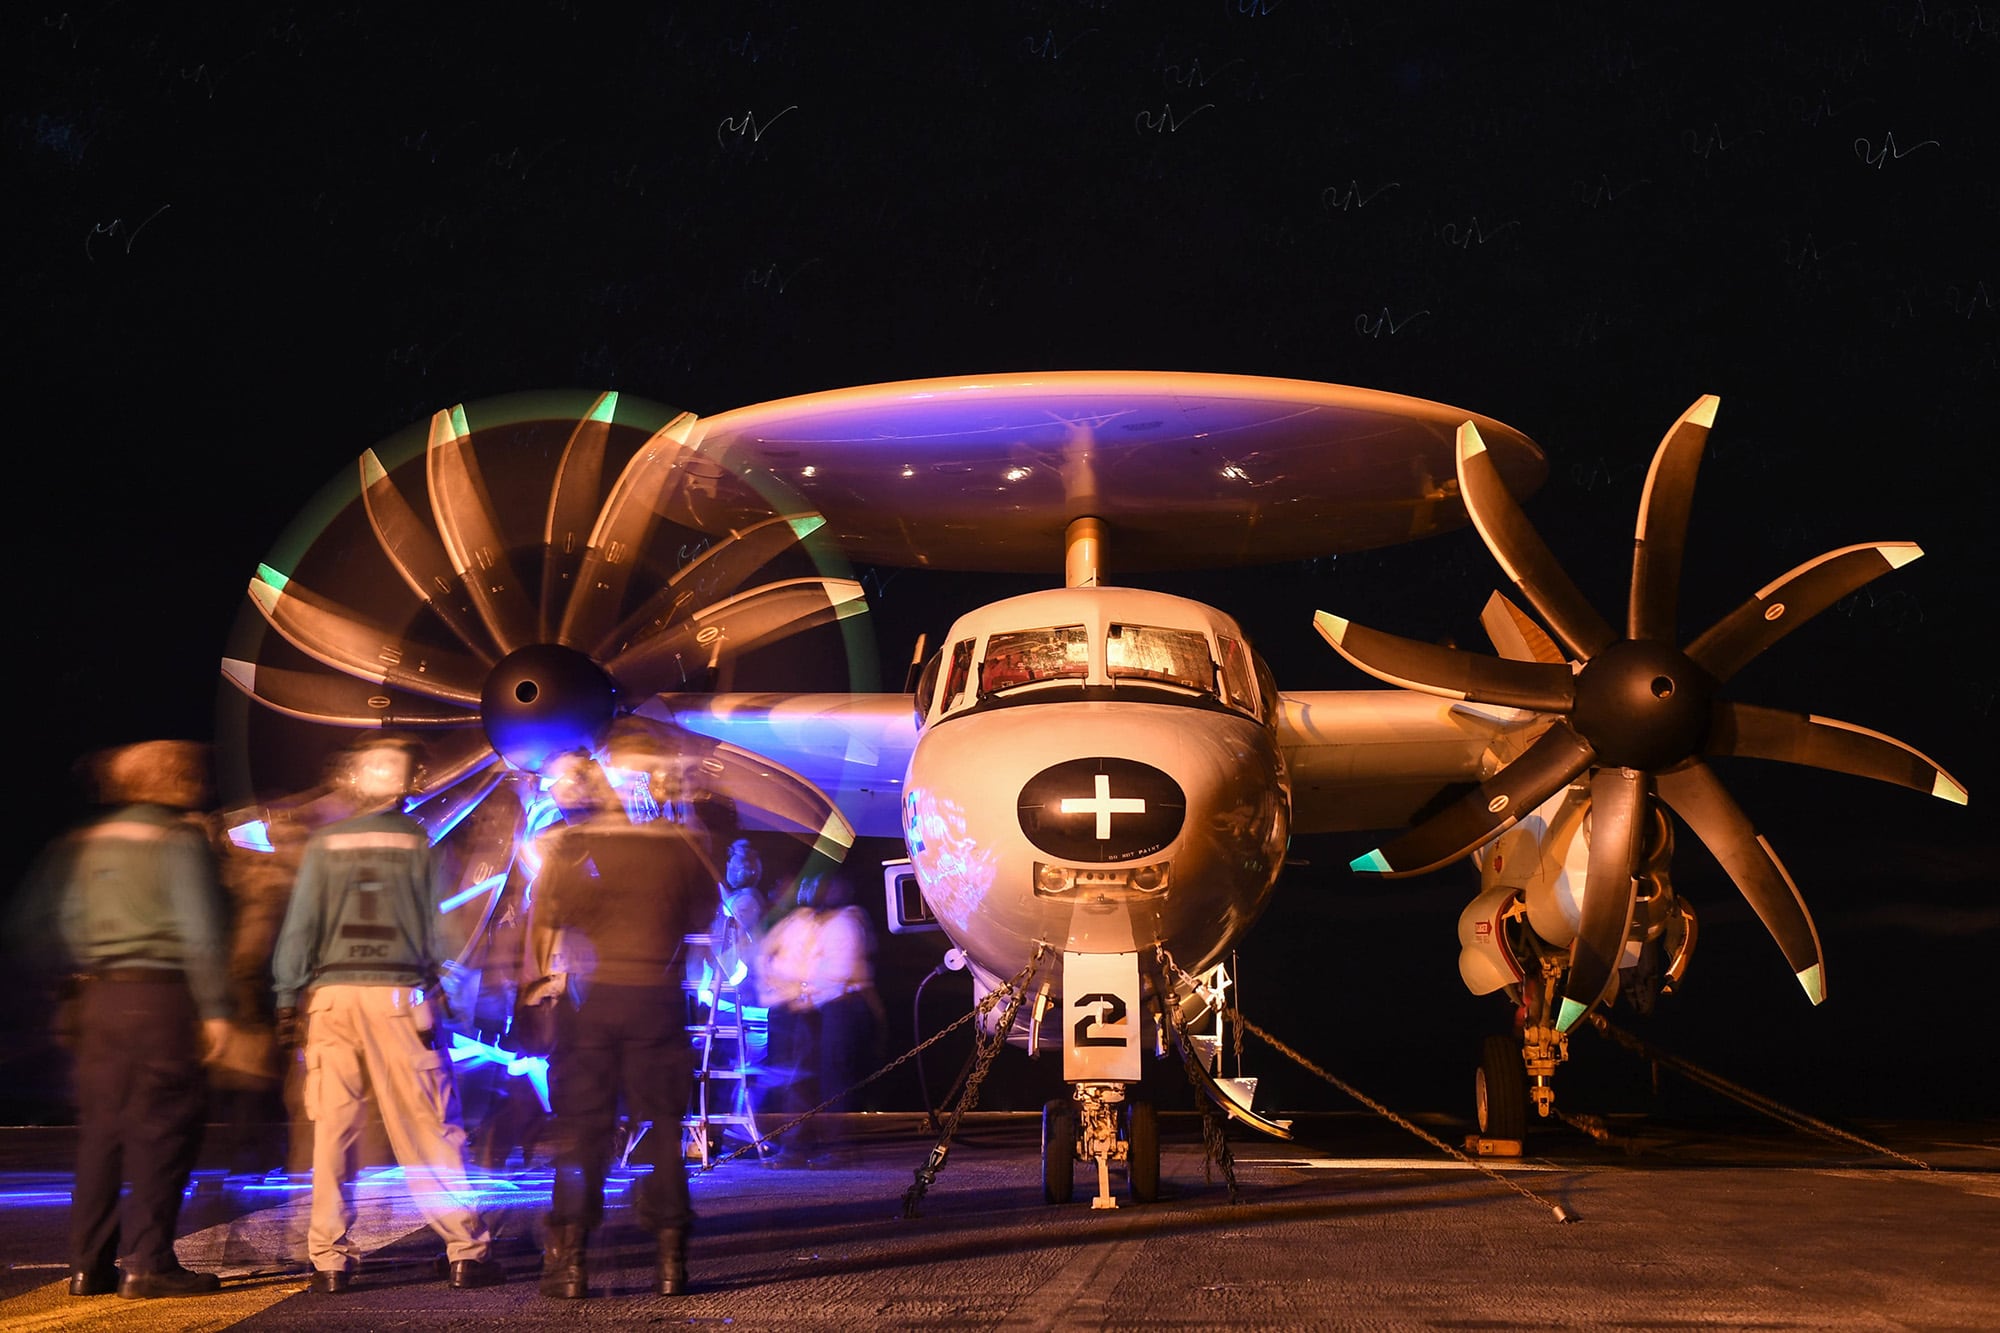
[1100, 1125]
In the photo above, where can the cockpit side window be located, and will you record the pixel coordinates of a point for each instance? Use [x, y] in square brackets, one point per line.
[1239, 681]
[1146, 652]
[961, 668]
[926, 693]
[1023, 657]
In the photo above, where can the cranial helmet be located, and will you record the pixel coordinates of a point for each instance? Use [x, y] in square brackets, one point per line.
[745, 866]
[171, 773]
[381, 769]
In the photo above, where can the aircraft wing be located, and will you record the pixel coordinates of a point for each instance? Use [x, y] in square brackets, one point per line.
[853, 747]
[1359, 759]
[1375, 759]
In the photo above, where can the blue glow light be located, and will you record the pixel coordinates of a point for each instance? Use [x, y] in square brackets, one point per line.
[254, 836]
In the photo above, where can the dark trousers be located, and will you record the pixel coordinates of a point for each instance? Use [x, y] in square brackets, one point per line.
[140, 1103]
[630, 1039]
[827, 1050]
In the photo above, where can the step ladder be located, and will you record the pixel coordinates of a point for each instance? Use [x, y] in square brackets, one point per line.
[722, 1096]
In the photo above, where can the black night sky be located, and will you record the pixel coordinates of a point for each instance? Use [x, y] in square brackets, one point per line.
[244, 243]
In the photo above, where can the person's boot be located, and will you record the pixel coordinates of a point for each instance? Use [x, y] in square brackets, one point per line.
[563, 1275]
[671, 1274]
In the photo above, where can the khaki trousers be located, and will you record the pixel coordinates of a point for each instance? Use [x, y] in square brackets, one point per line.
[358, 1037]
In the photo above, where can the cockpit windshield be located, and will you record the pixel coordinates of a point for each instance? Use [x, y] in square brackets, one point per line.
[1146, 652]
[1061, 652]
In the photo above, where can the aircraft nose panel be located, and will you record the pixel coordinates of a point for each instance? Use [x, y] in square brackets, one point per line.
[1102, 809]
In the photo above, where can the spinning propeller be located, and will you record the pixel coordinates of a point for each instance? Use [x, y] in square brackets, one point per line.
[1636, 713]
[391, 616]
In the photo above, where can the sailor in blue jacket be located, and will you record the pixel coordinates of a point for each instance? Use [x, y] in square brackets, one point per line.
[142, 918]
[359, 944]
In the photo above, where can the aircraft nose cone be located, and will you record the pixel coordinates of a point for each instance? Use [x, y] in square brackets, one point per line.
[1102, 809]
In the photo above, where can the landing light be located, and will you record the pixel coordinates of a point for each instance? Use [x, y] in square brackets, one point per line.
[1108, 884]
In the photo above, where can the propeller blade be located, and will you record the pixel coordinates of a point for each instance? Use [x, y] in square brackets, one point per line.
[736, 624]
[339, 701]
[1522, 555]
[1448, 672]
[715, 573]
[450, 756]
[1823, 742]
[1781, 606]
[1699, 799]
[573, 503]
[765, 794]
[441, 811]
[642, 493]
[1661, 537]
[349, 643]
[1489, 809]
[768, 795]
[493, 843]
[1515, 636]
[418, 555]
[1617, 833]
[464, 514]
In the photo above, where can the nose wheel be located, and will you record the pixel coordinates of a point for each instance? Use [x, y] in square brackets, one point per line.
[1500, 1090]
[1058, 1150]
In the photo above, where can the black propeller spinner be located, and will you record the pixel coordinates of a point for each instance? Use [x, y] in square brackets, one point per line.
[1636, 712]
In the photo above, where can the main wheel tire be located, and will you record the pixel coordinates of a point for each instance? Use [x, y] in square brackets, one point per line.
[1058, 1150]
[1500, 1089]
[1142, 1151]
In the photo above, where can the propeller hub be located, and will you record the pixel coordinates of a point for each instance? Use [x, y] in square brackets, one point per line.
[1642, 704]
[543, 700]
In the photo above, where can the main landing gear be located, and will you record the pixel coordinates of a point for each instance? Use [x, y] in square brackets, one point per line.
[1100, 1125]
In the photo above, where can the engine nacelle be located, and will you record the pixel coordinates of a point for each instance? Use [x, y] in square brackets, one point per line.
[1538, 868]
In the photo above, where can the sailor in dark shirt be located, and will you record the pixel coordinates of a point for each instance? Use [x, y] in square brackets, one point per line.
[614, 903]
[142, 917]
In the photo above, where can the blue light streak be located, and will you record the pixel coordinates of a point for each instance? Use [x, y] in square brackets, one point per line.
[491, 884]
[535, 1067]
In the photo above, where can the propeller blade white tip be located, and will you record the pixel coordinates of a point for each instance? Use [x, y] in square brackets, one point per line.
[1813, 979]
[243, 674]
[1947, 789]
[1372, 863]
[265, 595]
[1571, 1011]
[1331, 627]
[1703, 412]
[1899, 554]
[1470, 445]
[372, 470]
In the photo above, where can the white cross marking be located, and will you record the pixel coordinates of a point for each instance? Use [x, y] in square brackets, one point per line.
[1103, 805]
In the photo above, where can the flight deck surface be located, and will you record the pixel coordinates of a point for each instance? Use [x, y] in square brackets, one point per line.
[1356, 1224]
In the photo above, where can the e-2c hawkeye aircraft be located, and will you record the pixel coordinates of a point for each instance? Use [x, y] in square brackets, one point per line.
[1097, 780]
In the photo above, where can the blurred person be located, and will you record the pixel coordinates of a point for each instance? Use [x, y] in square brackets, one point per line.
[614, 903]
[738, 927]
[141, 916]
[817, 975]
[359, 945]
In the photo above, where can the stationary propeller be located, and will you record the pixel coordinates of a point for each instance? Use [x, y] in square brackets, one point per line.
[393, 617]
[1636, 713]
